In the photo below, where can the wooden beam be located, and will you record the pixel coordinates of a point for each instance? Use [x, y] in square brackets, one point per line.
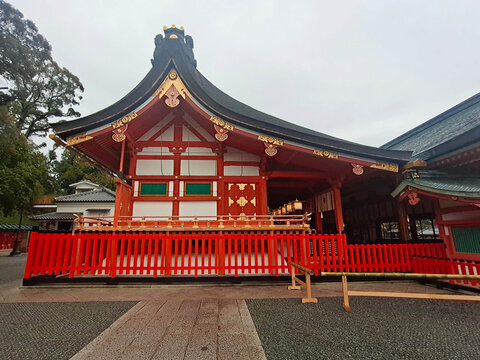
[297, 175]
[415, 295]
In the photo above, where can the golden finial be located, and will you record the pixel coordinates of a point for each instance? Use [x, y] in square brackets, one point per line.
[182, 28]
[165, 27]
[173, 26]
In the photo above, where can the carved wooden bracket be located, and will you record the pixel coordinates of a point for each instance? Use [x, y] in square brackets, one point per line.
[119, 133]
[221, 133]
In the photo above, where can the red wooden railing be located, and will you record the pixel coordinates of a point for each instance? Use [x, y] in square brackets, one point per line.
[212, 252]
[192, 223]
[431, 265]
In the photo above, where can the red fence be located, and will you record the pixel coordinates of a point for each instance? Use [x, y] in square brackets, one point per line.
[209, 253]
[448, 266]
[7, 239]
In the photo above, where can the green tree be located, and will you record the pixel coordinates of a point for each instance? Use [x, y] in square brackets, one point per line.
[23, 170]
[71, 169]
[39, 88]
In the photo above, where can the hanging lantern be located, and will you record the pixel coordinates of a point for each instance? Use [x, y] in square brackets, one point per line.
[284, 209]
[289, 208]
[297, 205]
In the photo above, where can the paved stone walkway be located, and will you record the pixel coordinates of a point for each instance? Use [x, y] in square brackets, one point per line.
[205, 321]
[180, 329]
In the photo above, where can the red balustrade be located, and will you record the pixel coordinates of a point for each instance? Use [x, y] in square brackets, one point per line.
[431, 265]
[200, 253]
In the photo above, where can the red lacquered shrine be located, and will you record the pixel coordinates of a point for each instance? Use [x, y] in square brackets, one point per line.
[184, 150]
[208, 185]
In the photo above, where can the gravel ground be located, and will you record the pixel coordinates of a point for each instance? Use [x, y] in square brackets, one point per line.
[12, 268]
[377, 328]
[53, 331]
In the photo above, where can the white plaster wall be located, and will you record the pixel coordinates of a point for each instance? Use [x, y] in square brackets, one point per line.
[149, 150]
[152, 208]
[187, 135]
[167, 135]
[154, 167]
[198, 167]
[200, 129]
[233, 154]
[160, 125]
[198, 151]
[241, 171]
[198, 208]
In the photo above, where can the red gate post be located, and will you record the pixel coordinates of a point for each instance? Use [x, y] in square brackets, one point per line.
[272, 253]
[113, 255]
[168, 253]
[221, 253]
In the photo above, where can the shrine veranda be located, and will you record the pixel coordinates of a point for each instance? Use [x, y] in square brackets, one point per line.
[208, 186]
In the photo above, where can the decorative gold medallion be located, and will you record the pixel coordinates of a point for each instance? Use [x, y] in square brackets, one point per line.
[271, 150]
[221, 133]
[357, 169]
[119, 134]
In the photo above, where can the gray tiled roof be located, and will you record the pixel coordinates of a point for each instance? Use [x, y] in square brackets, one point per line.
[441, 183]
[54, 216]
[459, 120]
[100, 195]
[14, 227]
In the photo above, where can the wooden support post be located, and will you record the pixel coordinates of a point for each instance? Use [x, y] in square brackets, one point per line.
[307, 283]
[294, 285]
[309, 298]
[337, 201]
[346, 303]
[402, 222]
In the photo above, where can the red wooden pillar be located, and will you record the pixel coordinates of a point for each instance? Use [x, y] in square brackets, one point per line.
[337, 201]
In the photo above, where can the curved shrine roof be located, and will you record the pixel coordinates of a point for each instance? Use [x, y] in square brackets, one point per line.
[175, 51]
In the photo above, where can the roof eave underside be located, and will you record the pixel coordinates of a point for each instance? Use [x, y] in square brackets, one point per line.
[221, 105]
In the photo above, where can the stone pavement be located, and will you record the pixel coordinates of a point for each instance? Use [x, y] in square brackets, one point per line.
[204, 321]
[176, 329]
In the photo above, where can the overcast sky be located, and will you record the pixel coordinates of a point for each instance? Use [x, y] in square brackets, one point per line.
[364, 71]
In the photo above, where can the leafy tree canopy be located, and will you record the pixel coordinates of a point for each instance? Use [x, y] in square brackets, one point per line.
[23, 170]
[39, 89]
[71, 169]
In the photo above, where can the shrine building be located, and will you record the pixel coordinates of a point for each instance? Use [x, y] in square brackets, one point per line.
[206, 185]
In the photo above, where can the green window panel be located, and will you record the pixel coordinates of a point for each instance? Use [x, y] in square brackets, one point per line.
[198, 189]
[467, 239]
[153, 189]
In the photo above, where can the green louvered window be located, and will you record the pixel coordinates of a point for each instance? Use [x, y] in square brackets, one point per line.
[153, 189]
[467, 239]
[198, 189]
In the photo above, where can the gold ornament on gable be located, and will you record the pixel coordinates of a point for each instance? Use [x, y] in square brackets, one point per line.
[77, 139]
[172, 87]
[125, 120]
